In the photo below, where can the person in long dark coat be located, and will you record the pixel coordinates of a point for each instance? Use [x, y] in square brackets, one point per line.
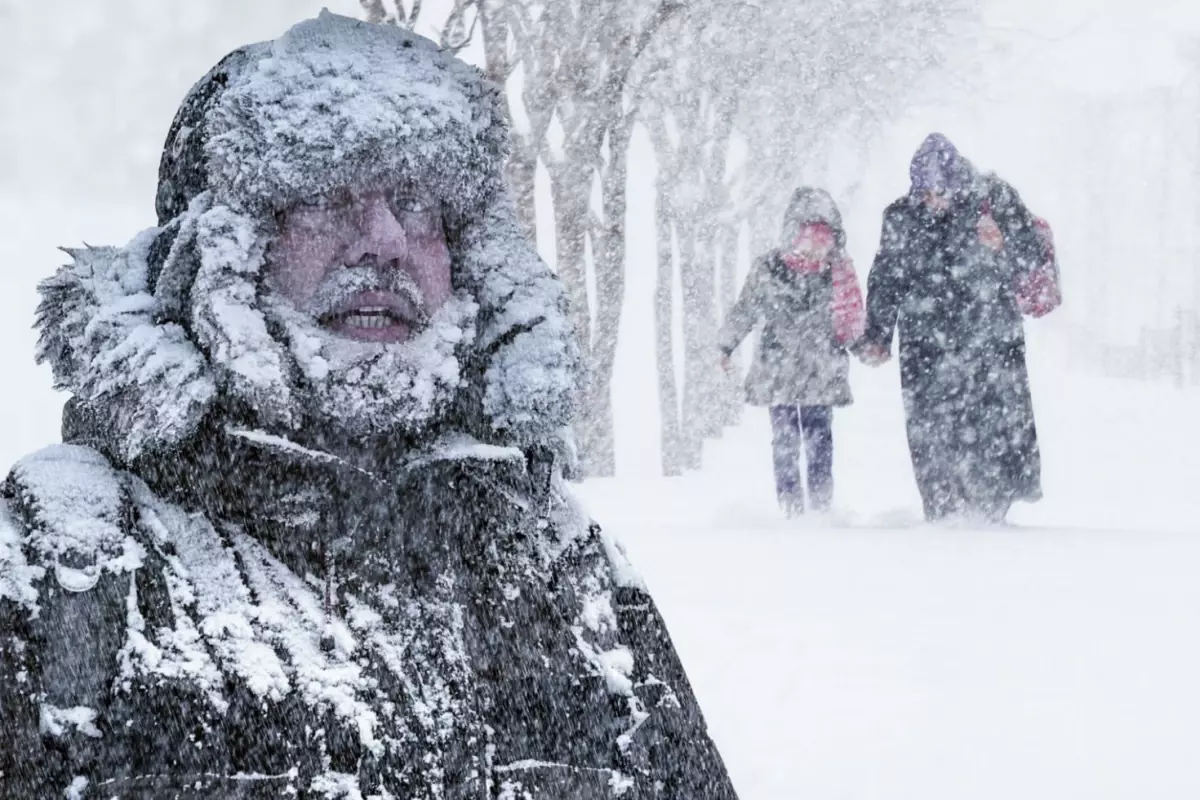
[307, 534]
[953, 254]
[806, 297]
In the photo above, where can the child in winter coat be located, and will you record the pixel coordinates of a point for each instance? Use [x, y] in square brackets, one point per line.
[807, 298]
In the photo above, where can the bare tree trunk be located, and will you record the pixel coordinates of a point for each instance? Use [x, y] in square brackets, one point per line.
[729, 383]
[706, 365]
[570, 184]
[599, 449]
[664, 339]
[671, 438]
[522, 180]
[521, 169]
[727, 391]
[764, 232]
[695, 280]
[374, 10]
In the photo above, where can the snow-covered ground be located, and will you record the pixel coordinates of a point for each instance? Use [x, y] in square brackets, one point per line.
[870, 657]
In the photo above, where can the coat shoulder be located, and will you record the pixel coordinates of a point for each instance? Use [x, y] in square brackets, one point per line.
[999, 192]
[67, 505]
[765, 259]
[898, 219]
[900, 209]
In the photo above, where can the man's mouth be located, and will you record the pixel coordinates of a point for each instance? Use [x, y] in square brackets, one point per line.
[375, 317]
[371, 317]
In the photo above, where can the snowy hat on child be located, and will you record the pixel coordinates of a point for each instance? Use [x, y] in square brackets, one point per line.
[809, 205]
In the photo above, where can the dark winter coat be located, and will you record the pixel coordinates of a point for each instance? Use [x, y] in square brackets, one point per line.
[798, 360]
[249, 618]
[962, 346]
[202, 595]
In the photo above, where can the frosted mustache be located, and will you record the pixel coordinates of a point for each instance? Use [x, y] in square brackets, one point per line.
[343, 284]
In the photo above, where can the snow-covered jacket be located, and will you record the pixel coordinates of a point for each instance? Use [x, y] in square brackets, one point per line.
[201, 597]
[947, 285]
[248, 618]
[808, 318]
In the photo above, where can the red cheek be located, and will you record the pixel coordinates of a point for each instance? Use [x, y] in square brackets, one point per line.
[299, 260]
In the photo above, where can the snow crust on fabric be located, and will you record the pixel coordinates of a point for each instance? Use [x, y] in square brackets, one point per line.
[100, 334]
[236, 609]
[77, 503]
[530, 380]
[335, 102]
[17, 576]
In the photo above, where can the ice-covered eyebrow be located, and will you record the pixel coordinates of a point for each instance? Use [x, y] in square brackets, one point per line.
[410, 199]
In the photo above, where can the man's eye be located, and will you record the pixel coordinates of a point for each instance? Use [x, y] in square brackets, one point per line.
[411, 203]
[334, 200]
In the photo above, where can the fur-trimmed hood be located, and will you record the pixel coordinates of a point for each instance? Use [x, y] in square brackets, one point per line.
[808, 205]
[149, 337]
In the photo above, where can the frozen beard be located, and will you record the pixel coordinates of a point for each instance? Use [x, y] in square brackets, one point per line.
[365, 389]
[292, 372]
[369, 298]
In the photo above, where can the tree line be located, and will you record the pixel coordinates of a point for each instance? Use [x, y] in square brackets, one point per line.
[741, 99]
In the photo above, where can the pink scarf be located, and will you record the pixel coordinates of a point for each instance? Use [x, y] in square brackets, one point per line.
[813, 250]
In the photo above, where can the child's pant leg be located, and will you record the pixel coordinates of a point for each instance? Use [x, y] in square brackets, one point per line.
[817, 424]
[785, 446]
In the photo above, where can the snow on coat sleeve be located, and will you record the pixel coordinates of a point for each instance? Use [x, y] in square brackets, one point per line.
[66, 563]
[1029, 245]
[673, 744]
[885, 283]
[20, 742]
[666, 744]
[1021, 240]
[745, 312]
[49, 692]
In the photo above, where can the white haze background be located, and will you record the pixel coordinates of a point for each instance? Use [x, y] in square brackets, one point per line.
[867, 656]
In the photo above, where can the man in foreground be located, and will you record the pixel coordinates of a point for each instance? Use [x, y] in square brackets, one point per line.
[307, 534]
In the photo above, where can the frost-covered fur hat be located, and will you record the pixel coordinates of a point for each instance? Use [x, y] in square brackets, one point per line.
[150, 336]
[334, 102]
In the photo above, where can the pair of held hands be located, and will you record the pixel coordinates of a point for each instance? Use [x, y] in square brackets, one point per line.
[873, 355]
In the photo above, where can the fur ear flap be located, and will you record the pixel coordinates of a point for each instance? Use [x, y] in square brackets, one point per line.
[145, 381]
[230, 249]
[172, 281]
[532, 362]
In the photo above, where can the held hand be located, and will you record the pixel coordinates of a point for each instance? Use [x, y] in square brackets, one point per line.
[726, 364]
[990, 235]
[874, 355]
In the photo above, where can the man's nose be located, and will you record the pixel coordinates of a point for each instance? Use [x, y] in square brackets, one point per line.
[378, 234]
